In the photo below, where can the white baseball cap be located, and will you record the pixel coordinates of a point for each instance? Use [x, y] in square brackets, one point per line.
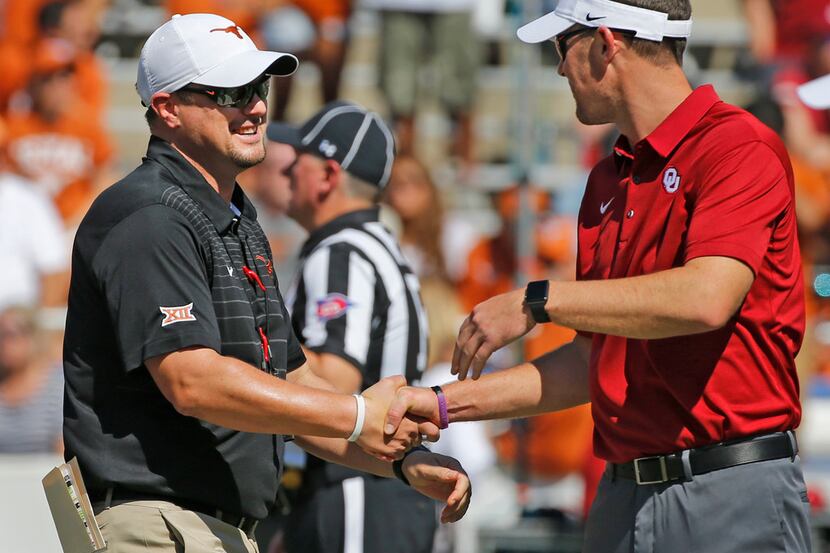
[647, 24]
[816, 93]
[204, 49]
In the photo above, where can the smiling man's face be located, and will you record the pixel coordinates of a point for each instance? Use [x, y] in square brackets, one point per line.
[235, 134]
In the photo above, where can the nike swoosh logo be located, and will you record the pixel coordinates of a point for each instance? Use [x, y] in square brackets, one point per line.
[589, 18]
[604, 207]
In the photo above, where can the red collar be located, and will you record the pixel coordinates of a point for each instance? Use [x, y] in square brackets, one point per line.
[674, 128]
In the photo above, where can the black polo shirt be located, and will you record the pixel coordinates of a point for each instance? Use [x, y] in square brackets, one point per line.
[160, 263]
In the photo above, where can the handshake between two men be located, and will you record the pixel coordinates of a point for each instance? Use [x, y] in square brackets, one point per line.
[413, 414]
[409, 415]
[436, 476]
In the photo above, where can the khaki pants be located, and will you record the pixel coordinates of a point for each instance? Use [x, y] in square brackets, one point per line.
[162, 527]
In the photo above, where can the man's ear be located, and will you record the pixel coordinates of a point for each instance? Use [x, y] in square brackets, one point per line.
[334, 172]
[610, 44]
[166, 108]
[333, 180]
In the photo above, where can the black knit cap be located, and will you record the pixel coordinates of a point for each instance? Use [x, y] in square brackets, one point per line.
[357, 139]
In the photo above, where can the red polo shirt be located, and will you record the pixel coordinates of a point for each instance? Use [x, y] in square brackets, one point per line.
[709, 181]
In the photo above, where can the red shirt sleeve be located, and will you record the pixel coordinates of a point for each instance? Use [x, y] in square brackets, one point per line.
[738, 204]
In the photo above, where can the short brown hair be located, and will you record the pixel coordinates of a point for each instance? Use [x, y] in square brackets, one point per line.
[360, 189]
[656, 51]
[151, 116]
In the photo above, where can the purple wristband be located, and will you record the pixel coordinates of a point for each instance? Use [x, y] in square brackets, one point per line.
[443, 417]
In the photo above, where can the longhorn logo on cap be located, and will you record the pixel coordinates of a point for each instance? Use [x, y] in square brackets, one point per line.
[232, 29]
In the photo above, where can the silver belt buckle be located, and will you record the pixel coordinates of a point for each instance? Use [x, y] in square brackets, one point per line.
[663, 472]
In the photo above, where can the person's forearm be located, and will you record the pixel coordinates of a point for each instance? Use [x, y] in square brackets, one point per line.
[338, 374]
[699, 297]
[554, 381]
[343, 453]
[228, 392]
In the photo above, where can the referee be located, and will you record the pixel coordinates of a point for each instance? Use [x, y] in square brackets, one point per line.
[357, 311]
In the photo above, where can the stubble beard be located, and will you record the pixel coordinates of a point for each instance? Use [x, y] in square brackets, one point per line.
[597, 111]
[592, 117]
[248, 157]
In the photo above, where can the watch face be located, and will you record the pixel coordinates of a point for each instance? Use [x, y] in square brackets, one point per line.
[537, 291]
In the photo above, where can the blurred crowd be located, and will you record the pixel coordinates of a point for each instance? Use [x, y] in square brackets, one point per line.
[56, 154]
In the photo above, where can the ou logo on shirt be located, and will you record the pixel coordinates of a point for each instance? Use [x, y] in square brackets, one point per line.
[671, 180]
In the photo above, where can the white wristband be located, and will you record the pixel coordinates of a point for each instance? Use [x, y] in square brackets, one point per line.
[361, 417]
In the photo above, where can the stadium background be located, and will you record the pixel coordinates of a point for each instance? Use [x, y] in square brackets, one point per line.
[476, 212]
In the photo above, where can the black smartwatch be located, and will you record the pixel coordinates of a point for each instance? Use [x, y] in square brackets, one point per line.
[397, 466]
[536, 296]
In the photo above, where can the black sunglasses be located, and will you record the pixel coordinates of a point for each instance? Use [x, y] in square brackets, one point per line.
[561, 41]
[235, 97]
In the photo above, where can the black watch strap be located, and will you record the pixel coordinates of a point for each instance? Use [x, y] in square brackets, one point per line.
[536, 297]
[397, 466]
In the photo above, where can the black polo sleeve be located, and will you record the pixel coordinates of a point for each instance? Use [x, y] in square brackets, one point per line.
[153, 276]
[295, 357]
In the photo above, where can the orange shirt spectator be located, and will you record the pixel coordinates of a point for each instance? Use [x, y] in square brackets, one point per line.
[90, 82]
[15, 67]
[321, 10]
[77, 23]
[56, 143]
[244, 13]
[491, 267]
[20, 21]
[492, 263]
[62, 156]
[74, 22]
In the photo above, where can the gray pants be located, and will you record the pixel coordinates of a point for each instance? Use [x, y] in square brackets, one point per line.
[755, 508]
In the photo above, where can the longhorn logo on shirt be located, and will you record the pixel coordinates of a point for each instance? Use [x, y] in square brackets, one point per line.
[231, 29]
[333, 307]
[268, 266]
[178, 314]
[671, 180]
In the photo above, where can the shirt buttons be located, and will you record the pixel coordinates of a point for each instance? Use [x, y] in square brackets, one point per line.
[629, 214]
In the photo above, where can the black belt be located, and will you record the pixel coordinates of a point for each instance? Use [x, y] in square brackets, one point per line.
[116, 496]
[669, 468]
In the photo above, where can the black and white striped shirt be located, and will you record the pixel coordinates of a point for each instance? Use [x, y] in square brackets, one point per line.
[356, 297]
